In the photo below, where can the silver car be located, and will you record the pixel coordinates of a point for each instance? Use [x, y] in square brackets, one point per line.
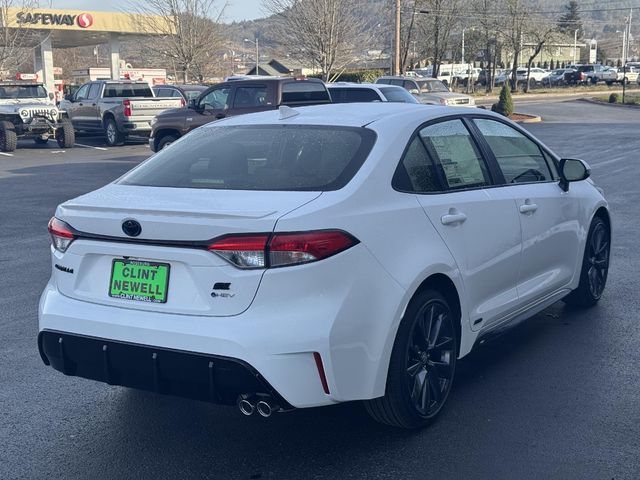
[429, 91]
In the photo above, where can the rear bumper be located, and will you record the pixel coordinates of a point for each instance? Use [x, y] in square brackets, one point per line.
[138, 127]
[191, 375]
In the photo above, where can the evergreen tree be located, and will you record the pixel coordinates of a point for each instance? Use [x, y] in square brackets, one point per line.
[570, 21]
[505, 103]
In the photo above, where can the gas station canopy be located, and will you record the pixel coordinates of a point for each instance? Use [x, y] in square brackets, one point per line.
[77, 28]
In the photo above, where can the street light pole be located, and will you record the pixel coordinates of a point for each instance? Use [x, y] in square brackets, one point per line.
[257, 53]
[396, 46]
[575, 44]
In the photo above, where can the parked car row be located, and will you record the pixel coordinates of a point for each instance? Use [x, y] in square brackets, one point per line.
[248, 95]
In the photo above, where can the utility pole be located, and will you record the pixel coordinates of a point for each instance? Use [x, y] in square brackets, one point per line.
[575, 45]
[625, 54]
[396, 46]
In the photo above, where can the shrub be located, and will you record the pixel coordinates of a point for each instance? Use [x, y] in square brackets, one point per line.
[505, 103]
[613, 98]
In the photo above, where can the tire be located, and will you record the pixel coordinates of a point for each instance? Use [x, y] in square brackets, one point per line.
[41, 141]
[166, 141]
[8, 137]
[420, 365]
[609, 83]
[595, 266]
[65, 134]
[112, 136]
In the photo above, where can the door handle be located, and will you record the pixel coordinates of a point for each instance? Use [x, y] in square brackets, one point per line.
[453, 217]
[528, 207]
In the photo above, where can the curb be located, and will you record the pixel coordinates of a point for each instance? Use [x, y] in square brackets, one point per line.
[531, 119]
[607, 104]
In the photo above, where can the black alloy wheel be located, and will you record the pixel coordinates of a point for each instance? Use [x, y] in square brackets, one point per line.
[422, 364]
[430, 358]
[598, 260]
[595, 266]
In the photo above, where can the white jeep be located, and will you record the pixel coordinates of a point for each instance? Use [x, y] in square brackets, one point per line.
[27, 111]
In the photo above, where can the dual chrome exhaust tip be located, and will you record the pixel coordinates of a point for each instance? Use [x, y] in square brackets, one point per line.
[263, 404]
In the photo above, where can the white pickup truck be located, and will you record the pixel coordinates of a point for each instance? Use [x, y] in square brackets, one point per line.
[116, 109]
[629, 76]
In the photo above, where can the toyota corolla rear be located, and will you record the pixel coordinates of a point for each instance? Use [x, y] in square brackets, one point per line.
[177, 279]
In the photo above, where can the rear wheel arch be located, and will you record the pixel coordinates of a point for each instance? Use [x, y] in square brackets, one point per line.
[444, 285]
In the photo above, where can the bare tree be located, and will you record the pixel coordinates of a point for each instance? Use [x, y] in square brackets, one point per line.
[328, 34]
[442, 18]
[14, 41]
[489, 28]
[189, 31]
[516, 21]
[538, 36]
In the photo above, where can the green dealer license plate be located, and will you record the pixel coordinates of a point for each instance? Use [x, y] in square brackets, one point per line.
[139, 280]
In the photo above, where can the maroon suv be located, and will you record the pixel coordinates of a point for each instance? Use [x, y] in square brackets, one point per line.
[236, 97]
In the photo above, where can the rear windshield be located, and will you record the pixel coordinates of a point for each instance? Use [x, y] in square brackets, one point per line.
[258, 157]
[304, 92]
[127, 90]
[398, 95]
[22, 91]
[352, 95]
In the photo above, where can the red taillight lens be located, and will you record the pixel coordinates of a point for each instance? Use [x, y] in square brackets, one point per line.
[127, 107]
[264, 250]
[243, 251]
[295, 248]
[61, 234]
[183, 102]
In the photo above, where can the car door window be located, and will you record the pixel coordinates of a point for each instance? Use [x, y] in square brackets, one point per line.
[451, 145]
[416, 171]
[250, 97]
[94, 91]
[520, 159]
[216, 99]
[399, 83]
[409, 85]
[82, 93]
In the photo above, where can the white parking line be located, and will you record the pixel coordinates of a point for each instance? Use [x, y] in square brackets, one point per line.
[89, 146]
[6, 154]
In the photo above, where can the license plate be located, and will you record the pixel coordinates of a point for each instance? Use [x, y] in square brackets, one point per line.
[139, 280]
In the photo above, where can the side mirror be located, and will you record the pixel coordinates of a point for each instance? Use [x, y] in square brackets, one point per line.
[51, 96]
[192, 104]
[572, 170]
[414, 91]
[69, 97]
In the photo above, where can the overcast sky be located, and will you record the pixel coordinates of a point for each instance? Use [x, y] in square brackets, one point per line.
[237, 9]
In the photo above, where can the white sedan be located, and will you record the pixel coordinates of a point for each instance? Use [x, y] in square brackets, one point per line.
[326, 254]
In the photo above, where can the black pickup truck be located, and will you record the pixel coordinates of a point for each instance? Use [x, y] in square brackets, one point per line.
[236, 97]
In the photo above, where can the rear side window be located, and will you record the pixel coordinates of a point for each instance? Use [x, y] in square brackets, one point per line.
[451, 144]
[128, 90]
[250, 97]
[519, 158]
[259, 157]
[416, 172]
[304, 92]
[352, 95]
[398, 95]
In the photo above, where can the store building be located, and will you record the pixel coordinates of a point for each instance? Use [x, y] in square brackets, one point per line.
[56, 28]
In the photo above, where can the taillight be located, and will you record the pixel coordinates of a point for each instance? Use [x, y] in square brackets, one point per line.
[61, 234]
[183, 102]
[127, 107]
[263, 250]
[243, 251]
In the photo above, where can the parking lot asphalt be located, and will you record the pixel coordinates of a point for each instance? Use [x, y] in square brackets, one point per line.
[556, 398]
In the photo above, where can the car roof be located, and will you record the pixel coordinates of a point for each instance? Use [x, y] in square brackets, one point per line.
[372, 86]
[395, 115]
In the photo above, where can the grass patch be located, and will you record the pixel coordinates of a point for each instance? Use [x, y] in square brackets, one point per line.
[629, 99]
